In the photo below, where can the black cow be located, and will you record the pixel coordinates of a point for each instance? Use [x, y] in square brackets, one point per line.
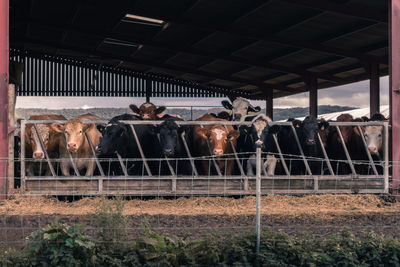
[172, 146]
[118, 138]
[259, 133]
[307, 133]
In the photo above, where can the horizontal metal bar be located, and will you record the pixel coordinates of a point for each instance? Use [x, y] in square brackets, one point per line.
[214, 177]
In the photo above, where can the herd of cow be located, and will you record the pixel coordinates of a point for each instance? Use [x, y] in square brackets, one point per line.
[169, 145]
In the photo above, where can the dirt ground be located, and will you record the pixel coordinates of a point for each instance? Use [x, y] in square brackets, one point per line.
[318, 214]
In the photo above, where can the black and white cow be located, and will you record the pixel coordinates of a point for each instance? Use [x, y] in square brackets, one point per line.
[307, 133]
[240, 108]
[260, 133]
[172, 146]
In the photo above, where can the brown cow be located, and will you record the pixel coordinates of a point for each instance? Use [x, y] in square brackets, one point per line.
[147, 111]
[33, 149]
[218, 138]
[354, 145]
[77, 144]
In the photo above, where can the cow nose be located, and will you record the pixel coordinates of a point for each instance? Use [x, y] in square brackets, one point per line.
[38, 155]
[218, 151]
[98, 148]
[168, 152]
[372, 149]
[71, 146]
[310, 142]
[259, 142]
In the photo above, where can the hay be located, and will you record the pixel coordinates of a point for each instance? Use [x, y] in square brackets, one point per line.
[322, 206]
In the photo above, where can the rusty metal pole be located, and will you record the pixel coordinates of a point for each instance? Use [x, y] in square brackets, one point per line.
[394, 85]
[4, 61]
[269, 109]
[148, 90]
[374, 88]
[313, 89]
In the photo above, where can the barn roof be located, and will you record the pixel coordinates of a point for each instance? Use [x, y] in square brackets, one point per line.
[242, 47]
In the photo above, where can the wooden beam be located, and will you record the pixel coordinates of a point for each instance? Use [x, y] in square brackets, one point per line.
[269, 108]
[313, 95]
[374, 89]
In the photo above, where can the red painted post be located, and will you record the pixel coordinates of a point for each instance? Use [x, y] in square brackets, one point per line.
[374, 88]
[269, 109]
[394, 85]
[4, 58]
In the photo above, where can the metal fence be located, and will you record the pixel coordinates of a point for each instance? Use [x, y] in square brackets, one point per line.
[149, 183]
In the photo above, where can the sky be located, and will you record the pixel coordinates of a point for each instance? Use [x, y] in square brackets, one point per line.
[354, 95]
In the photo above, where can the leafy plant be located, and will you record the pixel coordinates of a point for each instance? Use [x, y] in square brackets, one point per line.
[59, 244]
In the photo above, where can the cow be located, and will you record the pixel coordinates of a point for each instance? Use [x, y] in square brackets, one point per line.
[374, 136]
[307, 134]
[354, 144]
[118, 138]
[33, 149]
[147, 111]
[172, 146]
[258, 134]
[77, 144]
[240, 108]
[214, 140]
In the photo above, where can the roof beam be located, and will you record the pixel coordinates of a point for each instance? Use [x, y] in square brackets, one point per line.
[331, 6]
[260, 85]
[274, 39]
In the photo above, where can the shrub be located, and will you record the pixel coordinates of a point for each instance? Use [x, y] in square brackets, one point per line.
[60, 245]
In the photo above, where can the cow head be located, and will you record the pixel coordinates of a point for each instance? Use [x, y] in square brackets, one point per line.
[147, 111]
[114, 138]
[74, 132]
[218, 138]
[324, 130]
[33, 139]
[308, 129]
[374, 135]
[170, 137]
[346, 131]
[240, 108]
[260, 130]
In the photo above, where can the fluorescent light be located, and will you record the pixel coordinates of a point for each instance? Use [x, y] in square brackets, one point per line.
[119, 42]
[156, 21]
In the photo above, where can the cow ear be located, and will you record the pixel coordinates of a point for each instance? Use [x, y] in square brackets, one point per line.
[226, 104]
[296, 123]
[100, 128]
[274, 129]
[233, 134]
[323, 125]
[160, 110]
[87, 127]
[57, 127]
[134, 108]
[253, 109]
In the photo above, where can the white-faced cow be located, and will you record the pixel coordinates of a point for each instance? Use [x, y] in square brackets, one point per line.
[240, 108]
[214, 140]
[374, 137]
[147, 111]
[77, 144]
[33, 148]
[260, 133]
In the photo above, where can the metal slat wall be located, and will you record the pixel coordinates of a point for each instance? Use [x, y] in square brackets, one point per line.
[57, 76]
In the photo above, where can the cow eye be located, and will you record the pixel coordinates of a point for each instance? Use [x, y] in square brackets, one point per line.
[380, 135]
[80, 131]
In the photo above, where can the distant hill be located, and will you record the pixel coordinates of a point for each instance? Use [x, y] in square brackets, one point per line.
[187, 114]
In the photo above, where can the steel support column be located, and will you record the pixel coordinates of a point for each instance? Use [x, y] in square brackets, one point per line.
[313, 91]
[394, 85]
[269, 108]
[4, 61]
[374, 88]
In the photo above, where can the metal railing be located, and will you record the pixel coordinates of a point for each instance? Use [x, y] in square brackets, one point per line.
[148, 183]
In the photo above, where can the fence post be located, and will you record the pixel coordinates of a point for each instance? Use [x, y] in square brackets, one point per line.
[258, 200]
